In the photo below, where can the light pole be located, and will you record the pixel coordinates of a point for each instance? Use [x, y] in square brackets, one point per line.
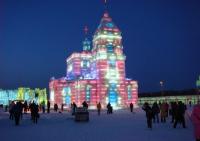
[198, 85]
[161, 88]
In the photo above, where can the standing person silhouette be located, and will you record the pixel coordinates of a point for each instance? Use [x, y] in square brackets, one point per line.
[99, 108]
[48, 107]
[131, 107]
[149, 114]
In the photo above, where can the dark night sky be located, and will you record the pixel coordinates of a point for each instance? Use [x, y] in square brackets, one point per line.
[161, 39]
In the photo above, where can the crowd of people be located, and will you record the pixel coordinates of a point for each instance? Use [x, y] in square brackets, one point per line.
[177, 113]
[155, 113]
[159, 112]
[99, 107]
[18, 108]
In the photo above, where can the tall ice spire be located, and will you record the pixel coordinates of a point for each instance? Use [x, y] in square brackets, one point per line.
[107, 33]
[105, 5]
[86, 42]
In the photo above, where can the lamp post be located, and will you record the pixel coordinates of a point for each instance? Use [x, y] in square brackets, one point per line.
[198, 82]
[198, 85]
[161, 88]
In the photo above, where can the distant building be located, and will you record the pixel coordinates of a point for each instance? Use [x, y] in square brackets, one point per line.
[38, 95]
[97, 74]
[185, 96]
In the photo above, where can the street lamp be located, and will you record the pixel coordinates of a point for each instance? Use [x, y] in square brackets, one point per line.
[161, 88]
[198, 85]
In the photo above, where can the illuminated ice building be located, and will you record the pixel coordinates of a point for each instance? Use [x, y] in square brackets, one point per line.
[97, 74]
[23, 94]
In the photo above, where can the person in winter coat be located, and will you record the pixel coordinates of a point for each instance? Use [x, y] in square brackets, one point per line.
[62, 107]
[109, 108]
[17, 112]
[11, 111]
[131, 107]
[196, 120]
[85, 105]
[99, 108]
[167, 109]
[149, 114]
[21, 106]
[73, 107]
[25, 107]
[180, 114]
[163, 113]
[35, 113]
[190, 103]
[48, 106]
[156, 111]
[174, 107]
[55, 107]
[31, 109]
[43, 106]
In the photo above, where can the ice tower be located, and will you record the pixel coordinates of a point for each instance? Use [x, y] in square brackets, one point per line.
[97, 74]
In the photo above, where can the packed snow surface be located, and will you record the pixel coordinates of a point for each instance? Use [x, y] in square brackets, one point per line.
[122, 125]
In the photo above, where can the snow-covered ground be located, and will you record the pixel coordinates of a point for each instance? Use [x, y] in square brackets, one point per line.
[120, 126]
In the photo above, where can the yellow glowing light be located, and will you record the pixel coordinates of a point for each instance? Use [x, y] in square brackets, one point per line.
[107, 37]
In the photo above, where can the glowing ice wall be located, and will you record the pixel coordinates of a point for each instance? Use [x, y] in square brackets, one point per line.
[56, 90]
[6, 96]
[97, 75]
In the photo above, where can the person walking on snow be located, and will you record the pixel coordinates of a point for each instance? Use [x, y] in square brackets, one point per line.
[180, 114]
[73, 108]
[35, 113]
[149, 114]
[62, 107]
[17, 112]
[55, 107]
[99, 108]
[11, 111]
[131, 107]
[163, 112]
[156, 111]
[48, 106]
[109, 108]
[85, 105]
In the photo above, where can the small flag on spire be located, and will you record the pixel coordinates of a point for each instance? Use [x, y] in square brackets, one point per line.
[105, 4]
[86, 30]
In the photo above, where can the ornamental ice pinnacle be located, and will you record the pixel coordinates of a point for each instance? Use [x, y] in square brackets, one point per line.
[97, 74]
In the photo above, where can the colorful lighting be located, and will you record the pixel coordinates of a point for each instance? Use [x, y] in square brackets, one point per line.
[97, 74]
[24, 94]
